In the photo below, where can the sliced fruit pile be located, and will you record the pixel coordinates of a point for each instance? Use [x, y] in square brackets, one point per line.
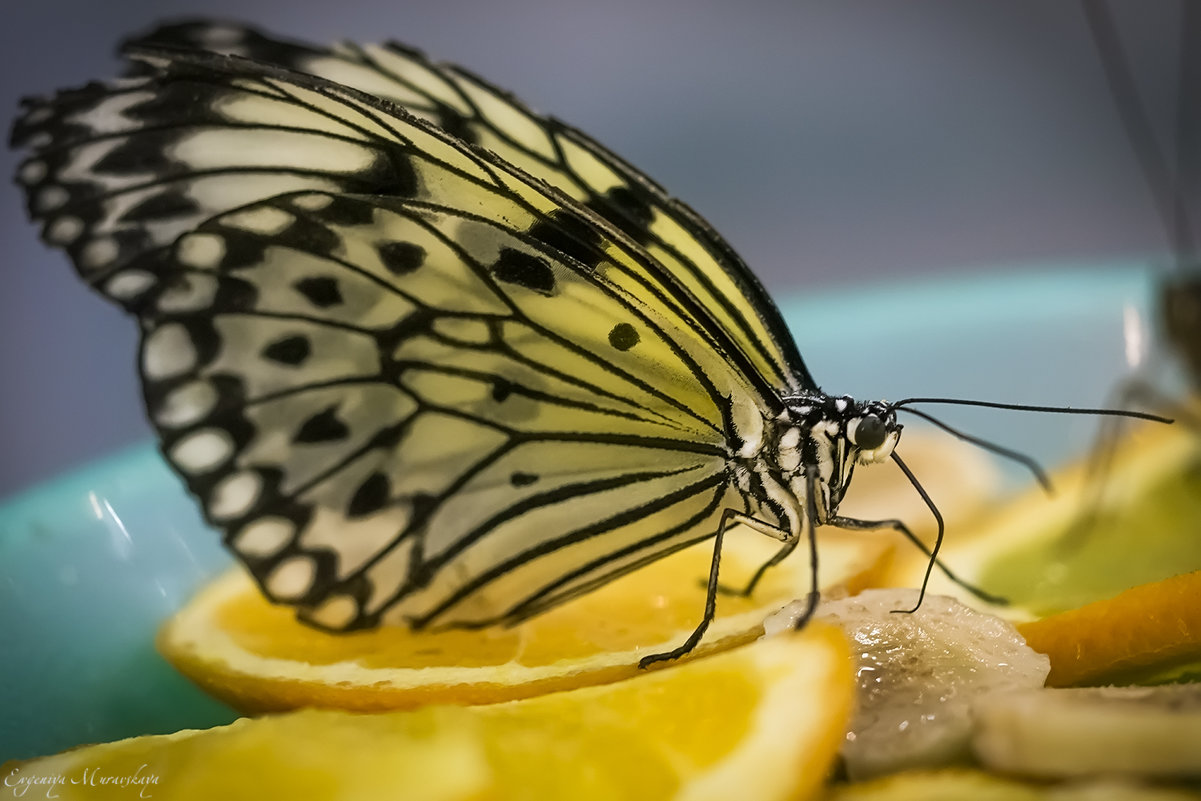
[258, 658]
[762, 722]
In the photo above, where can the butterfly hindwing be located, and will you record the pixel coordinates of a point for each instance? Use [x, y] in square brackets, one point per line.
[328, 410]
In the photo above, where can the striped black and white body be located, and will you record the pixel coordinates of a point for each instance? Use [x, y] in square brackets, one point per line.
[423, 355]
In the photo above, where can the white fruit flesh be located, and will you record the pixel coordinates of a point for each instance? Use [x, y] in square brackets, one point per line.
[1130, 731]
[919, 673]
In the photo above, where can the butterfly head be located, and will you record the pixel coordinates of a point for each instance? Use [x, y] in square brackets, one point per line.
[873, 430]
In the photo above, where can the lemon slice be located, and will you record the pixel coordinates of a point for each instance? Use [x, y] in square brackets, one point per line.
[763, 722]
[1035, 551]
[257, 657]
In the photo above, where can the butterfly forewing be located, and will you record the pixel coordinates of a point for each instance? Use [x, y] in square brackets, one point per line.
[686, 250]
[405, 377]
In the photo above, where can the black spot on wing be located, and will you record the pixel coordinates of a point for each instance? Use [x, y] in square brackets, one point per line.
[396, 177]
[401, 258]
[308, 236]
[455, 124]
[571, 235]
[174, 100]
[343, 211]
[321, 291]
[370, 497]
[501, 389]
[524, 270]
[623, 336]
[162, 206]
[322, 427]
[144, 153]
[625, 209]
[242, 250]
[291, 351]
[520, 479]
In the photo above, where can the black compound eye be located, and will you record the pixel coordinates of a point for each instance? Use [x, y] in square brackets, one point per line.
[870, 433]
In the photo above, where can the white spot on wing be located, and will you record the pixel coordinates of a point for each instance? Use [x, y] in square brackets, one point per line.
[99, 253]
[189, 293]
[264, 220]
[168, 351]
[50, 198]
[292, 578]
[235, 495]
[128, 284]
[202, 451]
[37, 116]
[202, 251]
[312, 202]
[220, 36]
[64, 230]
[186, 404]
[336, 612]
[264, 537]
[267, 148]
[31, 172]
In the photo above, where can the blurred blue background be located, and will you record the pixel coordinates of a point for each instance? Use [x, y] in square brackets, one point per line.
[831, 143]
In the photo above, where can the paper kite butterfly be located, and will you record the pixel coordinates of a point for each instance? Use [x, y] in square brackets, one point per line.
[422, 354]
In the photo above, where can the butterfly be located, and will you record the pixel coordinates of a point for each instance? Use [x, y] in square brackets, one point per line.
[422, 354]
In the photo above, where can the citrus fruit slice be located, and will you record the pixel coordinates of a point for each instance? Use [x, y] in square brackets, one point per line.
[1040, 552]
[1144, 629]
[1147, 732]
[763, 722]
[963, 478]
[258, 657]
[974, 785]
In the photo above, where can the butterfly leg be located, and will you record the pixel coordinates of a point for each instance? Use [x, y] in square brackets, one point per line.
[854, 524]
[728, 516]
[810, 530]
[778, 557]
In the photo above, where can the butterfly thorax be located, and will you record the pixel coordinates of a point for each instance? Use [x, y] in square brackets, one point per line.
[814, 443]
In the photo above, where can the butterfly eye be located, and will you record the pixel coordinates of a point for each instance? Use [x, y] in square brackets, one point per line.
[870, 433]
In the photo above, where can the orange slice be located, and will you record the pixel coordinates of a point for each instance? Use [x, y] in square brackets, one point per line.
[257, 657]
[763, 722]
[1146, 628]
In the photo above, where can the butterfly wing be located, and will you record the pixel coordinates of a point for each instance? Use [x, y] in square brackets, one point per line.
[679, 240]
[405, 378]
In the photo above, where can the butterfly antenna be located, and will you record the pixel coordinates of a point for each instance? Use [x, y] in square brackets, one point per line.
[1025, 407]
[1166, 192]
[1028, 462]
[937, 540]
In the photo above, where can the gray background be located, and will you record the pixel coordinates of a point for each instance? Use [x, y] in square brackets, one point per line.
[830, 142]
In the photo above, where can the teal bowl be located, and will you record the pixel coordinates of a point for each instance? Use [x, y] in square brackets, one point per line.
[92, 563]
